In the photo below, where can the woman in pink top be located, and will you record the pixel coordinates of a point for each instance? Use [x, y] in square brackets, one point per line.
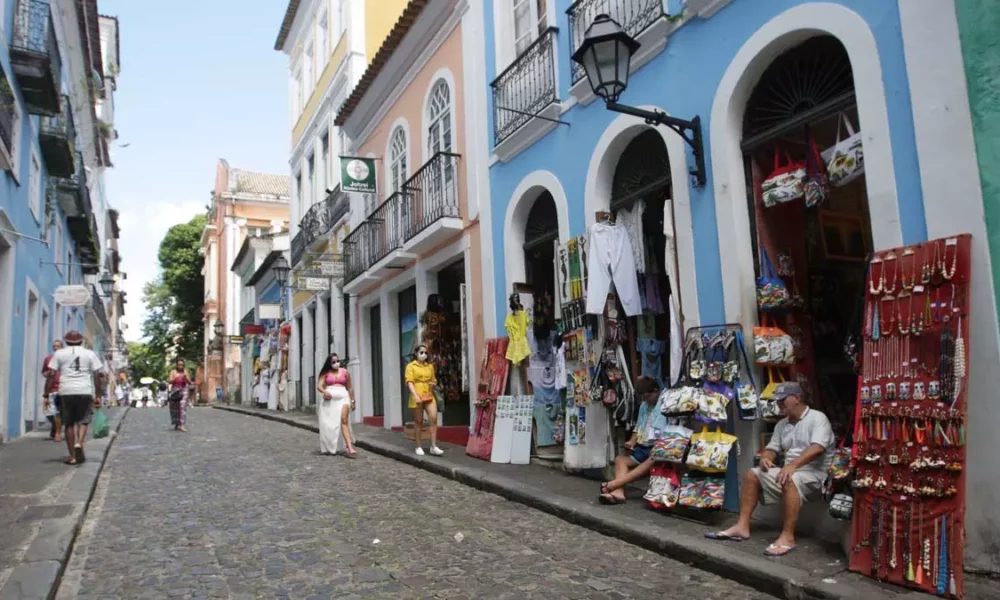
[177, 397]
[334, 410]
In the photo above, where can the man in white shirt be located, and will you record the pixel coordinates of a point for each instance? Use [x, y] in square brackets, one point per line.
[806, 440]
[81, 377]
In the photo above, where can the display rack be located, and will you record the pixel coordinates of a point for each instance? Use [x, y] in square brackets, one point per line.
[909, 454]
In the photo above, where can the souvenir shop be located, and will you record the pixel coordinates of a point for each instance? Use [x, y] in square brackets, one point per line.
[266, 383]
[443, 330]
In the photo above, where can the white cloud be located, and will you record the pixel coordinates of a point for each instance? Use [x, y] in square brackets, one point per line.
[142, 228]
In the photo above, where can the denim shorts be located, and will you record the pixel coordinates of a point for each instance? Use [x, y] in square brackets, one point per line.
[640, 454]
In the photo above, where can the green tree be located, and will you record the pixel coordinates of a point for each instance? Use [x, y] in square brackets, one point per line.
[157, 326]
[144, 362]
[184, 285]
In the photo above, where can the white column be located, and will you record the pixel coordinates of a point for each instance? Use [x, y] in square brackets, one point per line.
[391, 367]
[307, 353]
[426, 283]
[469, 349]
[337, 332]
[360, 354]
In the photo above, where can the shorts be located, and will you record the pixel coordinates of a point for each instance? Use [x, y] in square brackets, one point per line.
[809, 484]
[639, 454]
[76, 409]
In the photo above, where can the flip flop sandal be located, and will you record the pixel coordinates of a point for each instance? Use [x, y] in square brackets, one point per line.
[779, 550]
[609, 500]
[721, 536]
[71, 462]
[80, 456]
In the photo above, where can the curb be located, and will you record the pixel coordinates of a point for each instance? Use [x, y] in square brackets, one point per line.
[756, 572]
[43, 564]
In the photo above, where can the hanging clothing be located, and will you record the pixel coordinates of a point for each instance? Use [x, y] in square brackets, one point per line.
[516, 325]
[654, 303]
[330, 410]
[611, 259]
[632, 221]
[676, 340]
[646, 326]
[560, 368]
[651, 350]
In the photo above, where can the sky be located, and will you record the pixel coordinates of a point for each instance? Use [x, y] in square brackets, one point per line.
[199, 81]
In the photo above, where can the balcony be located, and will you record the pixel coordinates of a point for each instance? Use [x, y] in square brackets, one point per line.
[72, 191]
[83, 232]
[644, 20]
[322, 216]
[34, 57]
[298, 248]
[419, 217]
[56, 138]
[527, 88]
[97, 308]
[9, 122]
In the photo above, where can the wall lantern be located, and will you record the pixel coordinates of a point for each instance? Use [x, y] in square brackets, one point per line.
[219, 328]
[281, 270]
[605, 55]
[107, 283]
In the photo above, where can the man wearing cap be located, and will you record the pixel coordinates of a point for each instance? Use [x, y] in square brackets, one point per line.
[80, 375]
[805, 439]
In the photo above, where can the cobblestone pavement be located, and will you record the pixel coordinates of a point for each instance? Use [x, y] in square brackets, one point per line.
[240, 507]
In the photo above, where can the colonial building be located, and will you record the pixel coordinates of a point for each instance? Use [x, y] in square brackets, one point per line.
[243, 203]
[329, 43]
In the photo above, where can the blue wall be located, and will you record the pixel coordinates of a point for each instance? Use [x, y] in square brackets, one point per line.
[683, 80]
[29, 254]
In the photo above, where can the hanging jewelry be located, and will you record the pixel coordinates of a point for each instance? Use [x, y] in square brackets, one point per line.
[942, 574]
[936, 266]
[960, 365]
[913, 269]
[925, 268]
[952, 588]
[937, 306]
[876, 330]
[892, 551]
[925, 550]
[908, 544]
[948, 271]
[875, 291]
[891, 289]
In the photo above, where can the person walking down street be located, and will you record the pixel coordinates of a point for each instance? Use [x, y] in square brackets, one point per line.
[180, 384]
[81, 379]
[51, 394]
[335, 409]
[421, 381]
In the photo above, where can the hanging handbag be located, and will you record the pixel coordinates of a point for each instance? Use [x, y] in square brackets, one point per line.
[696, 367]
[661, 493]
[771, 345]
[769, 408]
[709, 451]
[731, 368]
[845, 160]
[816, 187]
[842, 507]
[784, 184]
[672, 445]
[746, 392]
[713, 402]
[680, 400]
[772, 294]
[704, 493]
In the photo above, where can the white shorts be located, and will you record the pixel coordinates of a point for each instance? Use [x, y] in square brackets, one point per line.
[809, 484]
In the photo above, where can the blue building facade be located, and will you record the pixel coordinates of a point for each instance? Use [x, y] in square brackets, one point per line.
[759, 75]
[47, 228]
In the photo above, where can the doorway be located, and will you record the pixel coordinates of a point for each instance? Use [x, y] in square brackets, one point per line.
[541, 235]
[375, 342]
[442, 332]
[803, 105]
[43, 348]
[30, 369]
[408, 340]
[6, 308]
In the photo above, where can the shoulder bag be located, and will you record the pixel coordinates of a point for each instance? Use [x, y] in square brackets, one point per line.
[785, 182]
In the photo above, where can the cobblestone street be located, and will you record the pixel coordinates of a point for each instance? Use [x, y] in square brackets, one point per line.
[244, 508]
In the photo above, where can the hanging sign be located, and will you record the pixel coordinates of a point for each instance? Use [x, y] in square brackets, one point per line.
[72, 295]
[329, 268]
[313, 284]
[357, 174]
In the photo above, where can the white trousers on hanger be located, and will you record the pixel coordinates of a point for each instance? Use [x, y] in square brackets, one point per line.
[610, 260]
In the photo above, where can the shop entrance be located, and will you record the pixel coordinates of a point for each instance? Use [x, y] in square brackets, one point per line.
[541, 234]
[442, 332]
[375, 340]
[802, 106]
[641, 201]
[408, 340]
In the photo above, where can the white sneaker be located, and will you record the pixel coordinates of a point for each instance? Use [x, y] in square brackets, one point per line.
[420, 451]
[436, 451]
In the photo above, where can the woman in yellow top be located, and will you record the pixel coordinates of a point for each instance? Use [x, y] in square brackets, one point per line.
[421, 381]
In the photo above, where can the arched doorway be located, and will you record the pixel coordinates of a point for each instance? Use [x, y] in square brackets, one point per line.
[541, 235]
[800, 103]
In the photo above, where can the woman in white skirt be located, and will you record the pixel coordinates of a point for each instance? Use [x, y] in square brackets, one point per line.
[335, 407]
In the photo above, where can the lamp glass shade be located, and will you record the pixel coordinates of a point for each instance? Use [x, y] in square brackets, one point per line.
[605, 55]
[219, 327]
[107, 283]
[281, 270]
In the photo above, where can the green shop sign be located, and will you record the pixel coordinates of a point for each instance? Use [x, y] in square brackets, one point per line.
[357, 174]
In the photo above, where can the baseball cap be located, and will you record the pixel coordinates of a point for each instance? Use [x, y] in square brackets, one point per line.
[786, 389]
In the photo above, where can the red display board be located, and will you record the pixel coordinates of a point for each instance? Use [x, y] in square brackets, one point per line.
[908, 525]
[492, 383]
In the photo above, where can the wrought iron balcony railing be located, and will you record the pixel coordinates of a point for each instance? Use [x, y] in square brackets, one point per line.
[322, 216]
[634, 16]
[97, 305]
[432, 193]
[525, 87]
[298, 248]
[34, 56]
[74, 196]
[57, 138]
[8, 116]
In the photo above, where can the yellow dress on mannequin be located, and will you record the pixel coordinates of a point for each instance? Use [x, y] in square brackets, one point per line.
[516, 325]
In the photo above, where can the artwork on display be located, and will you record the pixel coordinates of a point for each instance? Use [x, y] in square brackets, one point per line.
[512, 430]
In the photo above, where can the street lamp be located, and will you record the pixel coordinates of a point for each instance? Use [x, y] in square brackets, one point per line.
[218, 328]
[281, 270]
[605, 55]
[107, 283]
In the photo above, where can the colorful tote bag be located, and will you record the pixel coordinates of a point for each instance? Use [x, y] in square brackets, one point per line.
[772, 293]
[672, 445]
[845, 160]
[746, 390]
[705, 493]
[709, 451]
[785, 183]
[816, 186]
[713, 402]
[769, 408]
[662, 491]
[772, 346]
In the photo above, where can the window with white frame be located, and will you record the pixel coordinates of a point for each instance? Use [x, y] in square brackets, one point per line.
[398, 168]
[439, 119]
[300, 201]
[58, 244]
[297, 100]
[311, 180]
[343, 16]
[308, 72]
[34, 185]
[323, 38]
[324, 153]
[530, 19]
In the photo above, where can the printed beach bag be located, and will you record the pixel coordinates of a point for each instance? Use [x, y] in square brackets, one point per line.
[661, 494]
[785, 183]
[672, 445]
[706, 493]
[772, 293]
[817, 185]
[746, 391]
[712, 404]
[772, 346]
[769, 408]
[709, 451]
[845, 160]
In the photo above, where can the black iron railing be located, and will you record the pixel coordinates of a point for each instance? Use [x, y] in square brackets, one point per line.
[432, 193]
[322, 216]
[357, 252]
[634, 16]
[97, 305]
[34, 38]
[60, 124]
[298, 248]
[525, 87]
[74, 196]
[388, 224]
[7, 112]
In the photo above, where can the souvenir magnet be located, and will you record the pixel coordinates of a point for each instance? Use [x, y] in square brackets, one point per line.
[876, 393]
[918, 391]
[904, 390]
[934, 390]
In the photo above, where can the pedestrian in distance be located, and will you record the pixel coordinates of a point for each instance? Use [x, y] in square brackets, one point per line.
[81, 379]
[51, 394]
[335, 409]
[421, 381]
[180, 385]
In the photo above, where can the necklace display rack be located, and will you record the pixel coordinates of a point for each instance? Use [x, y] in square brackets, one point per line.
[909, 453]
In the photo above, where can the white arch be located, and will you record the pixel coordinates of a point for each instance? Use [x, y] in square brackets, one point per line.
[399, 123]
[444, 73]
[597, 195]
[781, 33]
[516, 219]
